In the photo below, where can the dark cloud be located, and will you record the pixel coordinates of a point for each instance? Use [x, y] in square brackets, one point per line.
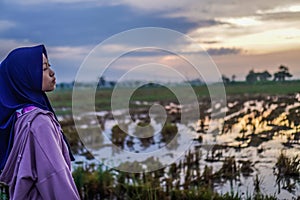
[73, 25]
[210, 42]
[282, 16]
[148, 52]
[223, 51]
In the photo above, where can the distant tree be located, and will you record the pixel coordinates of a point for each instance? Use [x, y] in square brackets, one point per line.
[282, 74]
[251, 77]
[225, 79]
[233, 77]
[112, 83]
[102, 81]
[195, 82]
[283, 68]
[264, 76]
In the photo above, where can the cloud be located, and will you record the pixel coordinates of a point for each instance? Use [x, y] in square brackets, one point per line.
[282, 9]
[256, 34]
[281, 16]
[8, 45]
[69, 52]
[66, 60]
[6, 25]
[201, 9]
[193, 10]
[40, 2]
[71, 28]
[223, 51]
[75, 25]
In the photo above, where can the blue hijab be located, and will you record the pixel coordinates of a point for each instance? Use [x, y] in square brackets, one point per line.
[21, 77]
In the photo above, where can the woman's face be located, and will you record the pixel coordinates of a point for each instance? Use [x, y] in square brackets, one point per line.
[49, 80]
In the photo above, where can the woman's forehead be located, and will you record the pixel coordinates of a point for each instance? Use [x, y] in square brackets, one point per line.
[44, 58]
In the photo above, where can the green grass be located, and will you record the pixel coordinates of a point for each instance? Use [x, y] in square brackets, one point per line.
[269, 88]
[63, 98]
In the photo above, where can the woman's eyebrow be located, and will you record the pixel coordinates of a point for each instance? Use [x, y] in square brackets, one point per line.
[47, 63]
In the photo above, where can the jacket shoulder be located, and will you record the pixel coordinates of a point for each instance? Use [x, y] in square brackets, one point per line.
[37, 115]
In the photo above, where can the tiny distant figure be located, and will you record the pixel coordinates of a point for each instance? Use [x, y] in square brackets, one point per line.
[35, 157]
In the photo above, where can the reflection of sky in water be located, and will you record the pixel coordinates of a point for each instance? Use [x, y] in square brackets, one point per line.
[263, 161]
[107, 152]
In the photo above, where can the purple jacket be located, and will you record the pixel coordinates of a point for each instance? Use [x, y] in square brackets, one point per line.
[38, 166]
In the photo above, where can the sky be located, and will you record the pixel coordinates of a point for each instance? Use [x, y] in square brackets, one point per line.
[238, 36]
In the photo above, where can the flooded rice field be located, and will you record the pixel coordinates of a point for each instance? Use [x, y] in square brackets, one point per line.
[254, 148]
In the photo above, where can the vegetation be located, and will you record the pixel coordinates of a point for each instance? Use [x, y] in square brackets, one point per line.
[3, 192]
[102, 183]
[61, 99]
[286, 166]
[287, 170]
[253, 77]
[282, 74]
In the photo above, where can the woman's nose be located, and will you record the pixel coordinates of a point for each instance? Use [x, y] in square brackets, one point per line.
[52, 73]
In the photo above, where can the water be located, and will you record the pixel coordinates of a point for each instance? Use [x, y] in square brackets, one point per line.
[255, 130]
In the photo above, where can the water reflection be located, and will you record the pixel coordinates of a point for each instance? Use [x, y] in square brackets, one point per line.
[248, 144]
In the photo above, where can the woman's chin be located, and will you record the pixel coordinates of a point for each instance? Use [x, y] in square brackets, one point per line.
[50, 89]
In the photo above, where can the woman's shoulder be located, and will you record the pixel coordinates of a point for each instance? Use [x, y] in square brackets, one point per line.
[37, 121]
[36, 116]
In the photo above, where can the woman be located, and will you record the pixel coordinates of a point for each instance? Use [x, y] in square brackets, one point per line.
[34, 154]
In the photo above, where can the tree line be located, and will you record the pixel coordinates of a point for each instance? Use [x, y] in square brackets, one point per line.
[252, 77]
